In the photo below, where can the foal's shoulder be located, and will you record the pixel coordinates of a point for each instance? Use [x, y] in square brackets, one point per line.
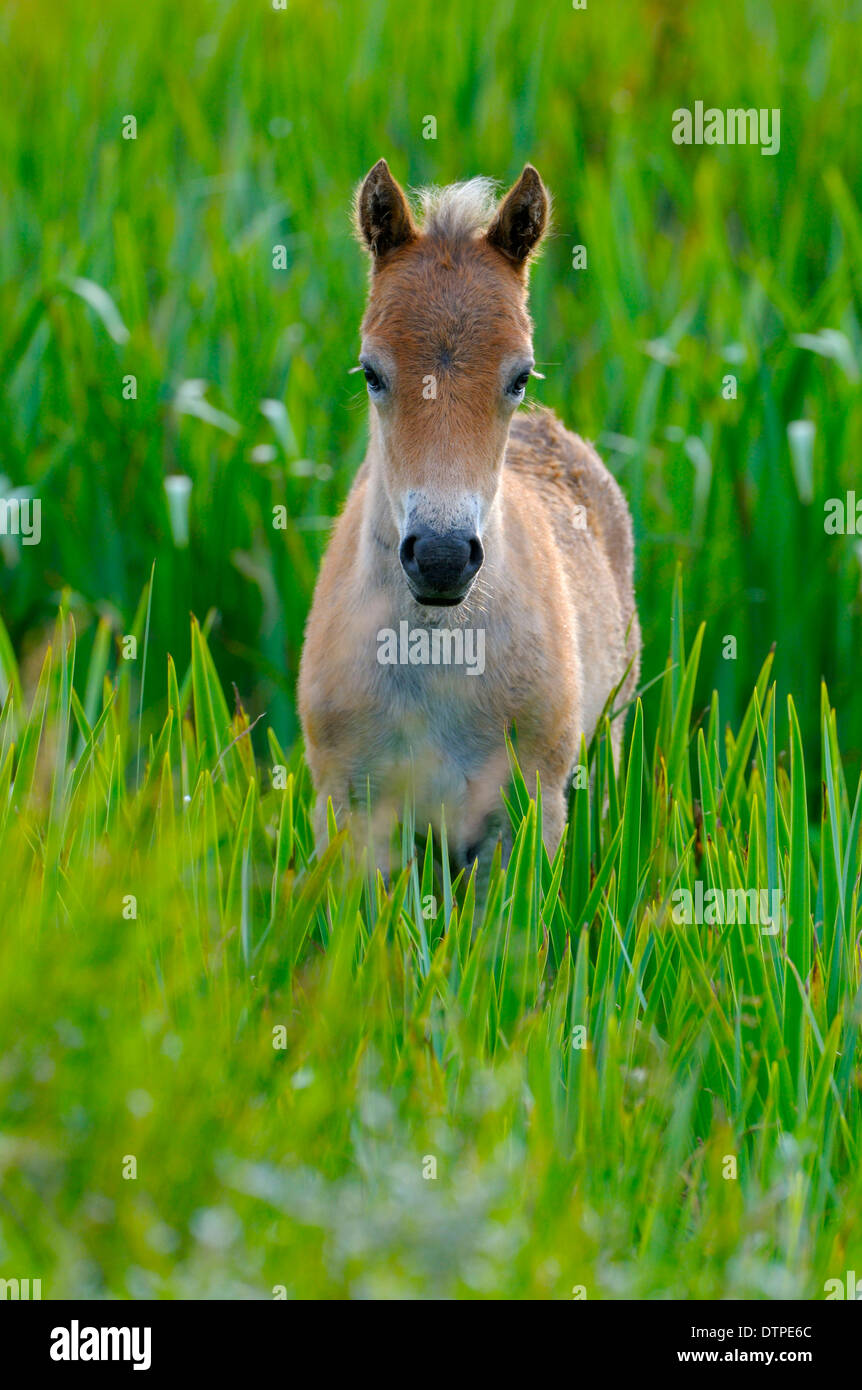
[565, 470]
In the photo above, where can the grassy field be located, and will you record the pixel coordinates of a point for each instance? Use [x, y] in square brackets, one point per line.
[229, 1068]
[326, 1085]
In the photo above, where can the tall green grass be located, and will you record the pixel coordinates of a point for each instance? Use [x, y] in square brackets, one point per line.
[253, 127]
[228, 1067]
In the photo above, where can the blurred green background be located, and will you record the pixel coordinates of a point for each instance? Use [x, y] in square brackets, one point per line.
[253, 127]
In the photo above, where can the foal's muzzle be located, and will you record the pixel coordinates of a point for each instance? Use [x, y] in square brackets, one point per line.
[440, 567]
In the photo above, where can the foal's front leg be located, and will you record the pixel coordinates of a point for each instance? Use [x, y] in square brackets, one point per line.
[486, 820]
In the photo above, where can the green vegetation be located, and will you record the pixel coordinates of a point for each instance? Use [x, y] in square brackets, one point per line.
[282, 1044]
[162, 915]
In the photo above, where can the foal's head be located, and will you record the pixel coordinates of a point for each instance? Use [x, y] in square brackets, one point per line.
[447, 352]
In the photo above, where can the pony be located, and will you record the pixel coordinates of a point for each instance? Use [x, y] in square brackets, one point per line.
[469, 524]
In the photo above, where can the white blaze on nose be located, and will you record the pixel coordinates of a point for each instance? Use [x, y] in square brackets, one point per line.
[442, 512]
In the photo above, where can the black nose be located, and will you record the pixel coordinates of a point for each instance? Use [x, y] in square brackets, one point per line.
[439, 566]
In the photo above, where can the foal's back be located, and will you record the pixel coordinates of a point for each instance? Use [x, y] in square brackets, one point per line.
[595, 548]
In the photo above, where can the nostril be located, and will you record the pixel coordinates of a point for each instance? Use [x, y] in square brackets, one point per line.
[477, 556]
[407, 553]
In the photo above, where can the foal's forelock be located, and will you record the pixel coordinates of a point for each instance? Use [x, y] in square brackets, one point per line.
[458, 210]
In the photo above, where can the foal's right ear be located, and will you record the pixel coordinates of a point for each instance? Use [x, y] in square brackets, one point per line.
[383, 215]
[521, 218]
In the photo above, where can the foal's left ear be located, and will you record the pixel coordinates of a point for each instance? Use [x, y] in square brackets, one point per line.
[521, 218]
[383, 215]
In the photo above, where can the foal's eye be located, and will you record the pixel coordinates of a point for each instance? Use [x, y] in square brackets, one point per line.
[375, 385]
[518, 385]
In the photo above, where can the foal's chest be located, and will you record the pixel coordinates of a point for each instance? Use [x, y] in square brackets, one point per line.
[437, 726]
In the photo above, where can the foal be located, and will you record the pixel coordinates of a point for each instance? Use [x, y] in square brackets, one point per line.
[468, 528]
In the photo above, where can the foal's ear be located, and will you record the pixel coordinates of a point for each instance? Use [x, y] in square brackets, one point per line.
[383, 215]
[521, 218]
